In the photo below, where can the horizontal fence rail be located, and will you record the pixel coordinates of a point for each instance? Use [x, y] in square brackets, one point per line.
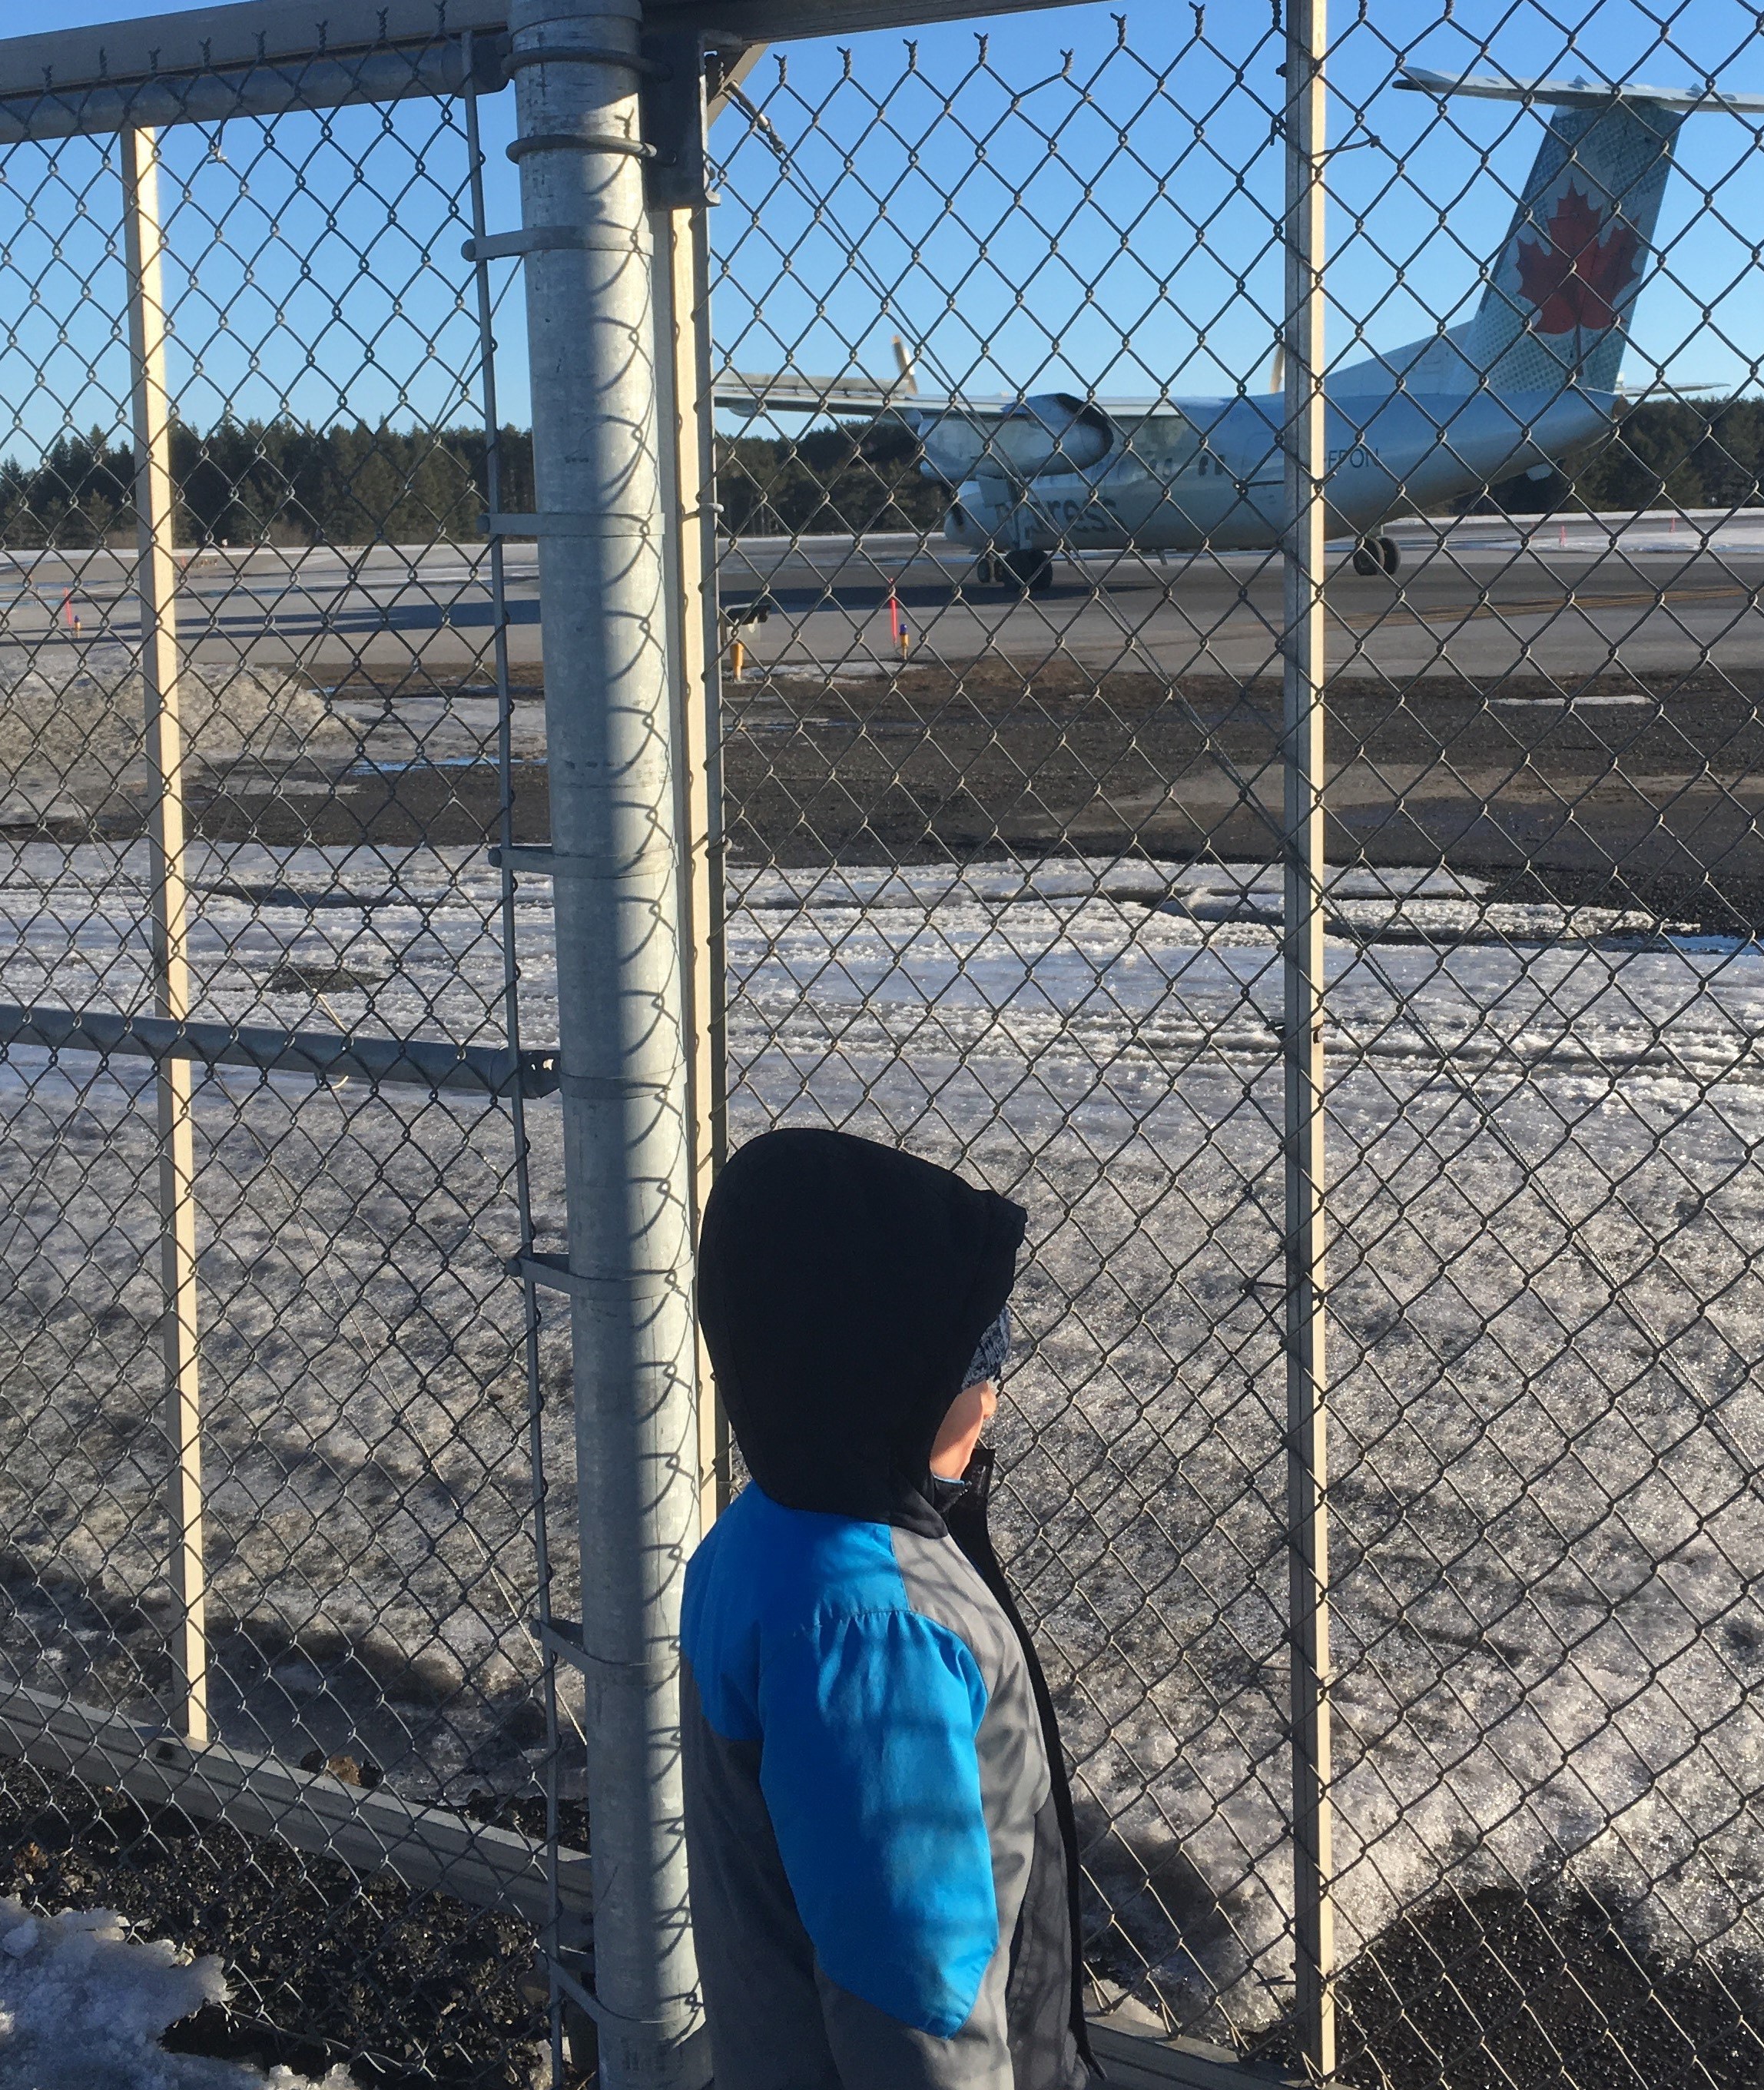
[375, 1831]
[420, 1063]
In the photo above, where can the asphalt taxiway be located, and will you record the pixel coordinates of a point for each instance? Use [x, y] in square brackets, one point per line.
[1481, 597]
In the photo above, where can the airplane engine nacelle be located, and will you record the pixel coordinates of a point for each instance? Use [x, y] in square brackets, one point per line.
[1052, 433]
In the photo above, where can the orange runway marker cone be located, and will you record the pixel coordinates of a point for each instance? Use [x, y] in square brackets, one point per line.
[897, 630]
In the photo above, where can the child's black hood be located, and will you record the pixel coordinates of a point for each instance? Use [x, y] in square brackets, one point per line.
[843, 1286]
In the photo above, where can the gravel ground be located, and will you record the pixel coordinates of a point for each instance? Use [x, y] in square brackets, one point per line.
[1503, 1989]
[1497, 1989]
[412, 1989]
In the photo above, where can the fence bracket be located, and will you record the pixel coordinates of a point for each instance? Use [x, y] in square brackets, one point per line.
[579, 141]
[567, 522]
[672, 95]
[532, 857]
[563, 1636]
[534, 239]
[551, 1273]
[603, 54]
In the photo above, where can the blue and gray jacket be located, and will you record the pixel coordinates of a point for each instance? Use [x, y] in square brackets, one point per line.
[877, 1818]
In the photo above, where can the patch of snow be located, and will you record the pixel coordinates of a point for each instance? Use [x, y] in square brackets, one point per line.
[83, 2002]
[1547, 1310]
[73, 726]
[1593, 701]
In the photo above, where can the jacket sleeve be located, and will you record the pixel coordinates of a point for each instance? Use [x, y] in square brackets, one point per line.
[871, 1777]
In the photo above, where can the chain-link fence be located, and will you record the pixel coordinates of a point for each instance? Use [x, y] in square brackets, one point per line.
[265, 1078]
[1018, 807]
[1277, 803]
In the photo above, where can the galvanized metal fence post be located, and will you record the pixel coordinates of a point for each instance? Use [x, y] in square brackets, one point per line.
[155, 504]
[616, 861]
[1305, 671]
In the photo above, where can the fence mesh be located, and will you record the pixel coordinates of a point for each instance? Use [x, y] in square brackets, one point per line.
[352, 749]
[1001, 479]
[1004, 767]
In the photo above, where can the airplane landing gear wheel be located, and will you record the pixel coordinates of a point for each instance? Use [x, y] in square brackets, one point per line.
[1390, 555]
[1367, 559]
[1032, 571]
[988, 571]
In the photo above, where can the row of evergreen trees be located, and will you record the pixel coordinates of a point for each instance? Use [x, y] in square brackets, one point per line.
[249, 482]
[1663, 453]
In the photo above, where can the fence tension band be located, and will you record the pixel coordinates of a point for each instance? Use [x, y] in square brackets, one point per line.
[563, 1636]
[579, 141]
[585, 54]
[542, 859]
[535, 857]
[585, 1999]
[551, 1273]
[565, 523]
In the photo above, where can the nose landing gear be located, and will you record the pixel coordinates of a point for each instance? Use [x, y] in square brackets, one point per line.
[1377, 555]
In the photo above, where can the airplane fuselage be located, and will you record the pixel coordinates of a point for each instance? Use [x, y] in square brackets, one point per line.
[1209, 474]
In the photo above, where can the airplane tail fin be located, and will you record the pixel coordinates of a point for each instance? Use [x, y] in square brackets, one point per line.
[1557, 299]
[1556, 308]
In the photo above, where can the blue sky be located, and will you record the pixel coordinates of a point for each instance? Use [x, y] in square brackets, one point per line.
[1023, 218]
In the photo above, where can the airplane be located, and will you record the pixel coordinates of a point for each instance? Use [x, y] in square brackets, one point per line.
[1530, 378]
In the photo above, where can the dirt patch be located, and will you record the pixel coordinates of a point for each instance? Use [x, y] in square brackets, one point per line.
[1506, 1990]
[324, 1965]
[1609, 793]
[418, 804]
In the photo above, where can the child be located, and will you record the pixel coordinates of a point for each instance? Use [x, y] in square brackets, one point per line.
[879, 1831]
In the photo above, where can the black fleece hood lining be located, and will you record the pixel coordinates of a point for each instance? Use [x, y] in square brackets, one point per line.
[843, 1286]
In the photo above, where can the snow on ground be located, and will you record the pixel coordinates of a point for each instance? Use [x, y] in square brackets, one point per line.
[72, 731]
[1546, 1323]
[83, 2003]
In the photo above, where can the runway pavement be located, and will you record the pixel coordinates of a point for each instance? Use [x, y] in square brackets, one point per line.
[1486, 597]
[1483, 596]
[329, 608]
[1574, 702]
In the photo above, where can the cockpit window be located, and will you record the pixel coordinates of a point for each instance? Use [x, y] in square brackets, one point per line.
[1165, 442]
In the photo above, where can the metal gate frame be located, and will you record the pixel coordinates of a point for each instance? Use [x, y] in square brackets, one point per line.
[619, 177]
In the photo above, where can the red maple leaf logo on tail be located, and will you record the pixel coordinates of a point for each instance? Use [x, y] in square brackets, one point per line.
[1577, 279]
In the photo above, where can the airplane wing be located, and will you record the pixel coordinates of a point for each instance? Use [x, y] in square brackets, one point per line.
[1573, 93]
[757, 393]
[760, 393]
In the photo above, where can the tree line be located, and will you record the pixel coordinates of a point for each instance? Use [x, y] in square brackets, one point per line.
[246, 482]
[864, 476]
[281, 482]
[1662, 453]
